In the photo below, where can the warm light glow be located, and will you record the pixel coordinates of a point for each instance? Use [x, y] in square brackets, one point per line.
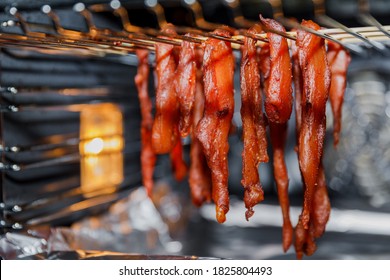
[101, 147]
[95, 146]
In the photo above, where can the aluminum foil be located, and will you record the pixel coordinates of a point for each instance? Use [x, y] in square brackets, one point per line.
[165, 228]
[137, 225]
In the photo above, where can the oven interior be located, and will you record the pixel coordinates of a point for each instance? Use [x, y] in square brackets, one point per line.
[70, 141]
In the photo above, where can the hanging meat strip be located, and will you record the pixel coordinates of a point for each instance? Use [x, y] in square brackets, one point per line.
[264, 65]
[179, 167]
[278, 139]
[298, 86]
[321, 205]
[199, 175]
[338, 59]
[166, 138]
[310, 246]
[278, 92]
[148, 158]
[253, 125]
[300, 233]
[278, 98]
[301, 236]
[165, 130]
[316, 82]
[213, 129]
[185, 85]
[305, 238]
[318, 217]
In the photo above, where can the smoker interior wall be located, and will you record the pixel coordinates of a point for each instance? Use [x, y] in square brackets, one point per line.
[44, 118]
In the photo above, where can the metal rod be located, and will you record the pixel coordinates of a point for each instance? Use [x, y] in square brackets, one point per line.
[292, 24]
[327, 21]
[100, 41]
[369, 19]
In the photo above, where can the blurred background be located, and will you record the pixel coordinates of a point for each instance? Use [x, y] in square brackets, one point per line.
[70, 143]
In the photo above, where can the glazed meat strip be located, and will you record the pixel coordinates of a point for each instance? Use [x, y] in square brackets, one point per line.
[165, 125]
[213, 129]
[305, 239]
[148, 157]
[165, 132]
[316, 82]
[338, 59]
[321, 205]
[185, 84]
[278, 134]
[179, 167]
[297, 80]
[199, 174]
[278, 87]
[264, 65]
[301, 235]
[278, 97]
[301, 238]
[309, 246]
[253, 125]
[319, 215]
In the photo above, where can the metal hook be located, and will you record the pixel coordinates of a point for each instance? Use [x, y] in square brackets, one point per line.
[86, 39]
[23, 24]
[81, 9]
[158, 11]
[139, 32]
[116, 7]
[277, 8]
[33, 38]
[200, 21]
[94, 34]
[46, 9]
[135, 31]
[239, 19]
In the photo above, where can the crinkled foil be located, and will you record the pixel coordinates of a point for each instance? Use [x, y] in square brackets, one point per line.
[164, 228]
[138, 225]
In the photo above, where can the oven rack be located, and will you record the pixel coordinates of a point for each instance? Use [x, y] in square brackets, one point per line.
[102, 41]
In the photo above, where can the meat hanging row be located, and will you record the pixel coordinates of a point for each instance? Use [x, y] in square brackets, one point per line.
[195, 98]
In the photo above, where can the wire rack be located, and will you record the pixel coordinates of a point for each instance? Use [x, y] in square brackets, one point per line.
[98, 41]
